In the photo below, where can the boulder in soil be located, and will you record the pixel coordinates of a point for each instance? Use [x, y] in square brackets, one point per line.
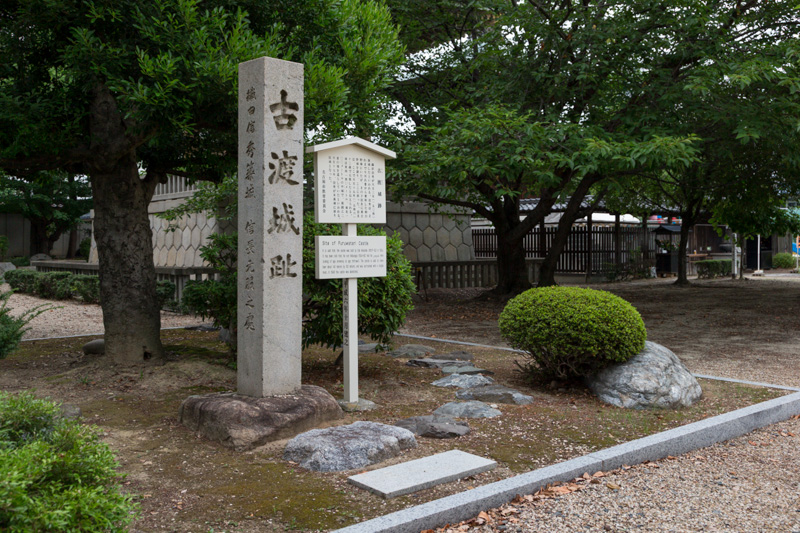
[463, 381]
[95, 347]
[347, 447]
[244, 422]
[494, 394]
[654, 377]
[434, 426]
[473, 409]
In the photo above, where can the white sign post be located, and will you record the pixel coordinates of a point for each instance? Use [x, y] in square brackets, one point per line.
[350, 188]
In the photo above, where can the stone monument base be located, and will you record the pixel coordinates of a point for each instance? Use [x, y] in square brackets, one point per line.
[244, 422]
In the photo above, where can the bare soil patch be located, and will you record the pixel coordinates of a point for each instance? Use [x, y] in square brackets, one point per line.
[187, 484]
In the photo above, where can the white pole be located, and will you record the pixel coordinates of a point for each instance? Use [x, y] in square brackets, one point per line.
[758, 271]
[350, 337]
[734, 266]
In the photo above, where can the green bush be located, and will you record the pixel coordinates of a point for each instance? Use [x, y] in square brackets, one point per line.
[165, 292]
[382, 302]
[86, 288]
[21, 280]
[12, 328]
[20, 261]
[783, 260]
[53, 285]
[571, 333]
[55, 474]
[84, 248]
[713, 268]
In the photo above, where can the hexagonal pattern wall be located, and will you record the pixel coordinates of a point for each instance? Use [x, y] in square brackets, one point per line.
[427, 235]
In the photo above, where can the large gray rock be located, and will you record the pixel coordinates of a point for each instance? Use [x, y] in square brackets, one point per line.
[95, 347]
[465, 368]
[654, 377]
[410, 351]
[494, 394]
[245, 422]
[5, 267]
[463, 381]
[347, 447]
[434, 426]
[473, 409]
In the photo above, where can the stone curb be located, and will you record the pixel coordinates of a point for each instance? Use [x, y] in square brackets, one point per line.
[458, 507]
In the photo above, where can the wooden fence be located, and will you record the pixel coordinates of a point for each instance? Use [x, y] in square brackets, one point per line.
[576, 252]
[465, 274]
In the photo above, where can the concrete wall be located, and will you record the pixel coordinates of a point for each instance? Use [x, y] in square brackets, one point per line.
[179, 247]
[441, 235]
[18, 230]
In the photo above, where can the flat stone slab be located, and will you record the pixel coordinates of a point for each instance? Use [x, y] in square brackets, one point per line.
[410, 351]
[346, 447]
[430, 362]
[420, 474]
[494, 394]
[244, 422]
[468, 369]
[473, 409]
[434, 426]
[463, 381]
[360, 405]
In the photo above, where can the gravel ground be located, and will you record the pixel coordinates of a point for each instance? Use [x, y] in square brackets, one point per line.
[746, 484]
[75, 318]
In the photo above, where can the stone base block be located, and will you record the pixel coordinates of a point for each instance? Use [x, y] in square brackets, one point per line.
[244, 422]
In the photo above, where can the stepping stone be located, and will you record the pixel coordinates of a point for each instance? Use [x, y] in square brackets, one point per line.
[494, 394]
[95, 347]
[347, 447]
[463, 381]
[472, 409]
[434, 426]
[420, 474]
[429, 362]
[367, 347]
[468, 369]
[410, 351]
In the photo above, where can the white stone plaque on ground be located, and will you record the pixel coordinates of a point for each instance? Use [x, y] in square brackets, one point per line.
[350, 182]
[411, 476]
[350, 257]
[270, 261]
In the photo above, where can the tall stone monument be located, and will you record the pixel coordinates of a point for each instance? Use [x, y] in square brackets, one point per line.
[270, 402]
[270, 227]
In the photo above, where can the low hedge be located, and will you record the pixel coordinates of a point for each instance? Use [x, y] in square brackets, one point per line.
[56, 474]
[713, 268]
[783, 260]
[571, 333]
[65, 285]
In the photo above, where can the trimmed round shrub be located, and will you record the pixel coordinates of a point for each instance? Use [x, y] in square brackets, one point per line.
[570, 333]
[783, 260]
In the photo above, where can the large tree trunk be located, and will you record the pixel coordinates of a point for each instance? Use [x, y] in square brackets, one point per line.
[512, 274]
[131, 314]
[40, 244]
[573, 211]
